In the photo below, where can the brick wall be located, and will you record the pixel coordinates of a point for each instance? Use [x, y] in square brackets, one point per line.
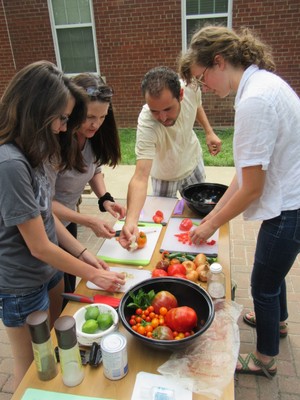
[29, 31]
[136, 35]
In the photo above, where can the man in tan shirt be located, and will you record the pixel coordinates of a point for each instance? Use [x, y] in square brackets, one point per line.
[167, 148]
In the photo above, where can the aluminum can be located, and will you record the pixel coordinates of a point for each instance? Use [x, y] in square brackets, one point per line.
[114, 356]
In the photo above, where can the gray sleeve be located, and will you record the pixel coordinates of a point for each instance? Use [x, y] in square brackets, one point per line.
[18, 203]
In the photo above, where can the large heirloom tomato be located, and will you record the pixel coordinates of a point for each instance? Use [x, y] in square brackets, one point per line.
[162, 333]
[164, 299]
[181, 319]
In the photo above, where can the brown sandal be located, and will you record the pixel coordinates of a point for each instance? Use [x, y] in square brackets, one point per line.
[250, 319]
[264, 369]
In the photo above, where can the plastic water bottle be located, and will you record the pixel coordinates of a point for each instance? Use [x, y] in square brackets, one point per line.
[216, 285]
[69, 354]
[42, 347]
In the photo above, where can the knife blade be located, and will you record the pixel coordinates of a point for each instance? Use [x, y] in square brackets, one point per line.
[144, 230]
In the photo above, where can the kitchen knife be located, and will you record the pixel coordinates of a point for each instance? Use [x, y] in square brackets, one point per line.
[146, 231]
[97, 298]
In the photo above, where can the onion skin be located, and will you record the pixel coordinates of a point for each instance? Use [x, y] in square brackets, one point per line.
[202, 271]
[200, 259]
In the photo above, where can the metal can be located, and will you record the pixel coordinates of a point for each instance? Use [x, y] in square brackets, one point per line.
[114, 356]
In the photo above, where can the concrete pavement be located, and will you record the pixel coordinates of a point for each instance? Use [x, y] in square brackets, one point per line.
[286, 384]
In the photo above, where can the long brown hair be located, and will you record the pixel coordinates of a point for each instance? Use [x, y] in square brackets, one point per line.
[33, 99]
[243, 49]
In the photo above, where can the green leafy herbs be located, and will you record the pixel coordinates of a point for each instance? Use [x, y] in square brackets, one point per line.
[141, 299]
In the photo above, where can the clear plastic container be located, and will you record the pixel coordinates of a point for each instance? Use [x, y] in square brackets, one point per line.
[216, 284]
[69, 354]
[42, 347]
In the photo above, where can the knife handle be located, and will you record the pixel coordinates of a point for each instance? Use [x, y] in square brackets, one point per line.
[77, 297]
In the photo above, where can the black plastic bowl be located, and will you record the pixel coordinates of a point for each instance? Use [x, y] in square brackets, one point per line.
[187, 293]
[202, 197]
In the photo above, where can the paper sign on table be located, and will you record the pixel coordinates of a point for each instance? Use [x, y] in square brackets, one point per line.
[111, 250]
[151, 386]
[37, 394]
[133, 277]
[171, 243]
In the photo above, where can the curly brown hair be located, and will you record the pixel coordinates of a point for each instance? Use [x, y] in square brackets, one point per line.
[239, 49]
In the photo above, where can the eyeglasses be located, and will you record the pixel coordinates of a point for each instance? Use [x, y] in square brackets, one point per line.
[64, 119]
[200, 80]
[101, 91]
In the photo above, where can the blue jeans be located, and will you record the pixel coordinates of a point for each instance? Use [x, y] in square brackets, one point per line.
[14, 308]
[278, 245]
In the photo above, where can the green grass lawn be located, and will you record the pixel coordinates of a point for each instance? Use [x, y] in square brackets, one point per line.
[223, 159]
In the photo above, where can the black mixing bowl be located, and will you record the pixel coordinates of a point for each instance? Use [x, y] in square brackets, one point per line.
[202, 197]
[187, 293]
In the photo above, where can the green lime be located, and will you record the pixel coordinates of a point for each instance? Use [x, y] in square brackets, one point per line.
[91, 312]
[90, 326]
[105, 321]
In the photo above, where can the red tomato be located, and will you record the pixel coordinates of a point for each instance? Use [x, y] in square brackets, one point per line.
[186, 224]
[181, 319]
[164, 299]
[158, 217]
[179, 276]
[159, 272]
[176, 269]
[162, 333]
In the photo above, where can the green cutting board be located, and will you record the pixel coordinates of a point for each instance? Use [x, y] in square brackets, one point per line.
[111, 250]
[36, 394]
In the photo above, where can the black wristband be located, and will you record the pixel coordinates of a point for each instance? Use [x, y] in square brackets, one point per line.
[105, 197]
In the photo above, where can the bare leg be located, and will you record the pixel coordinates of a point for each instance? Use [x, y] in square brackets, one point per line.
[20, 340]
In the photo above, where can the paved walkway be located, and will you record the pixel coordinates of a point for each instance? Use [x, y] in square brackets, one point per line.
[286, 384]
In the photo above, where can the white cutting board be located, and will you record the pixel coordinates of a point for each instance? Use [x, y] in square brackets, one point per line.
[154, 203]
[111, 250]
[133, 277]
[171, 243]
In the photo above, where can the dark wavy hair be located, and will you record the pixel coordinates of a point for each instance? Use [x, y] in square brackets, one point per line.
[33, 99]
[158, 79]
[106, 142]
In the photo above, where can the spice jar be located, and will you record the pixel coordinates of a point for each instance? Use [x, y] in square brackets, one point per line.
[42, 347]
[69, 354]
[216, 285]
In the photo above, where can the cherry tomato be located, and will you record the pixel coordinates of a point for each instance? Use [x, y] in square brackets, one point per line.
[163, 310]
[141, 330]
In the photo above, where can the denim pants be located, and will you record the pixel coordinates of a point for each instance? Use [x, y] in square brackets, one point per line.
[278, 245]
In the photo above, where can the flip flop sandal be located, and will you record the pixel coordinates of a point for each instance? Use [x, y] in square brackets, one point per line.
[249, 318]
[264, 369]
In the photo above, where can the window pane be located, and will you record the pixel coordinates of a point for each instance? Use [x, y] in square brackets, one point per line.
[76, 50]
[194, 24]
[196, 7]
[71, 11]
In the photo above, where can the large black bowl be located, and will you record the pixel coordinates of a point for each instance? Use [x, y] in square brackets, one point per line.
[202, 197]
[187, 293]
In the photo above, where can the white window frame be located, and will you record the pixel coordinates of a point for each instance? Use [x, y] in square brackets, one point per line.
[185, 17]
[54, 29]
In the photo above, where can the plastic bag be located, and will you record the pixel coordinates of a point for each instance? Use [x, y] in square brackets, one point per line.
[211, 360]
